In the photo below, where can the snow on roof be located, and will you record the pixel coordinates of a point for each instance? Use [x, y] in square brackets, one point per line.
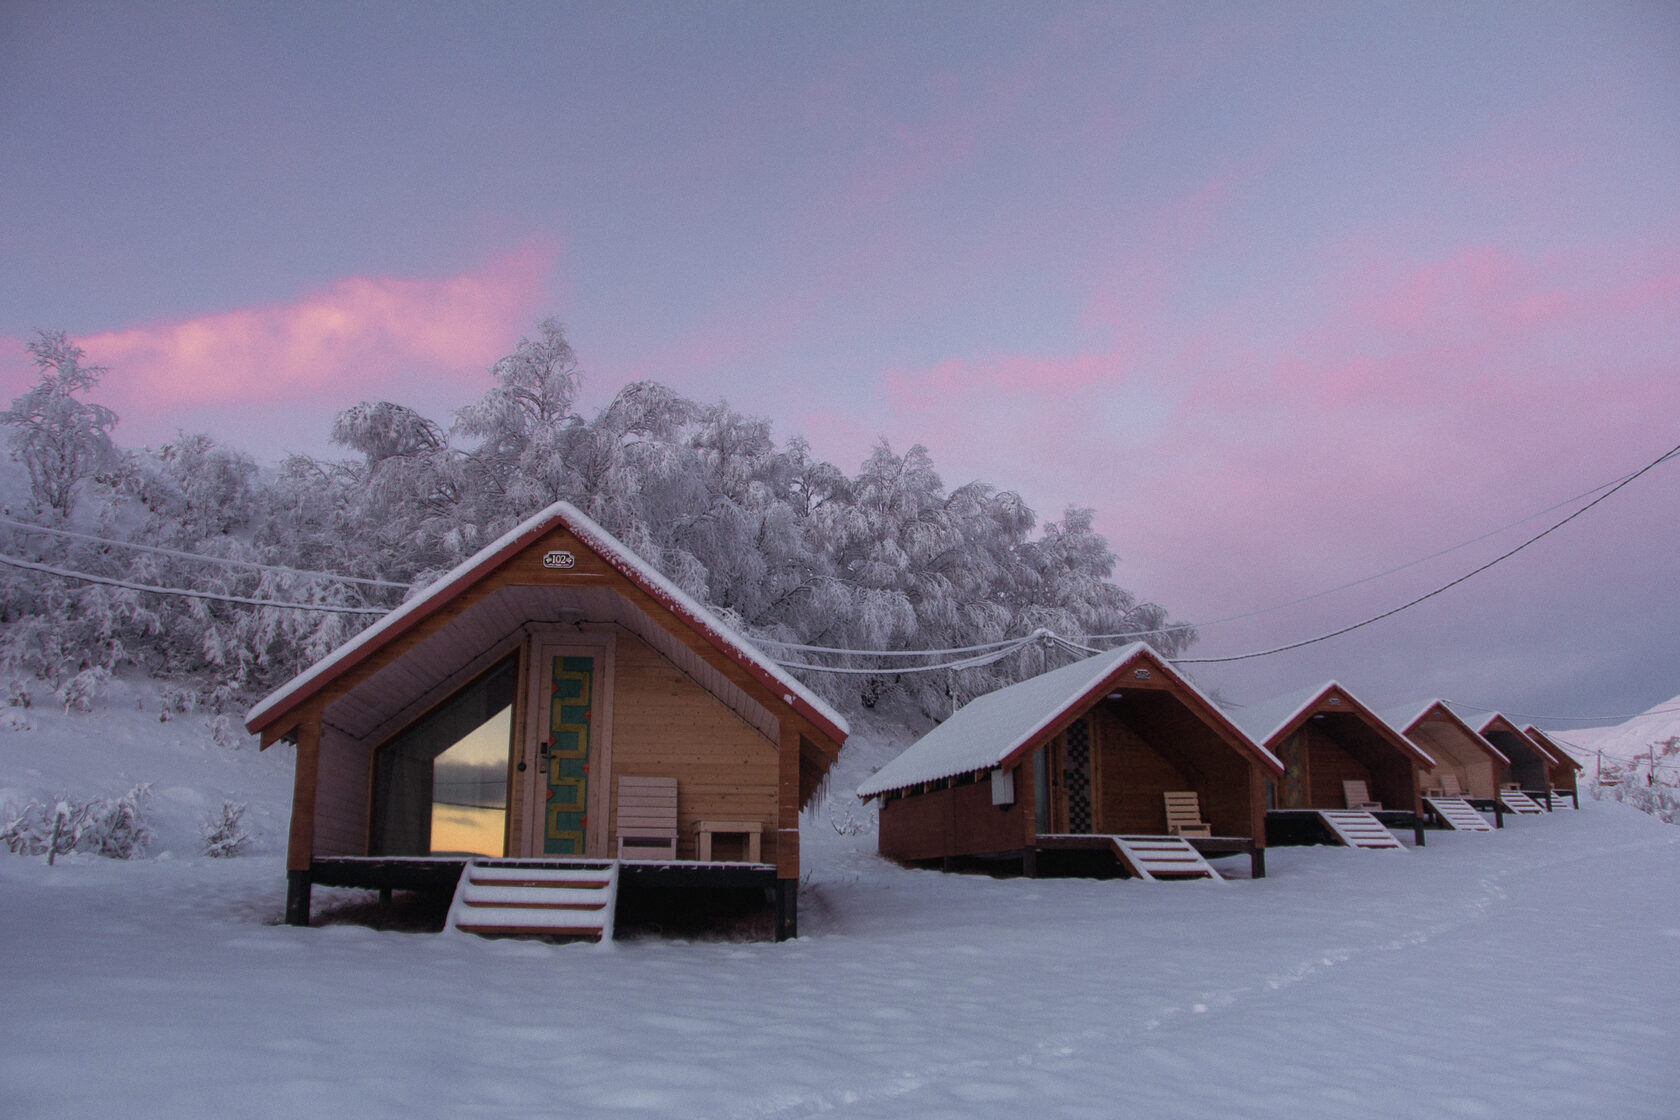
[1264, 720]
[989, 728]
[610, 549]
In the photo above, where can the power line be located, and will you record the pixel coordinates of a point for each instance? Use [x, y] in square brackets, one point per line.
[1568, 719]
[1444, 587]
[1377, 575]
[186, 592]
[200, 556]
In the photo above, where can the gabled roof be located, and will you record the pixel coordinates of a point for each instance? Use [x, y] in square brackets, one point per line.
[560, 515]
[1404, 717]
[1484, 721]
[992, 730]
[1270, 721]
[1553, 747]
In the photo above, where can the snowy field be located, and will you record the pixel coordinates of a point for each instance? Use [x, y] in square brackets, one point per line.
[1533, 972]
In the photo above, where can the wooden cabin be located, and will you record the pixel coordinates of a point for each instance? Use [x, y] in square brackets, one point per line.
[1565, 770]
[496, 713]
[1530, 764]
[1085, 751]
[1325, 737]
[1456, 748]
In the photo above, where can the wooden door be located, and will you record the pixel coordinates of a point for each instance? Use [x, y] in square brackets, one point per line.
[569, 741]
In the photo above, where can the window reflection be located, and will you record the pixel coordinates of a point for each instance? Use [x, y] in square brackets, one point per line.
[441, 785]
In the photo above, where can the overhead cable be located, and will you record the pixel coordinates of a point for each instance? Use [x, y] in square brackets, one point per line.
[189, 593]
[1444, 587]
[229, 561]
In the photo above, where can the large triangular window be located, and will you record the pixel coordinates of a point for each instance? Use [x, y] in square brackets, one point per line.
[441, 785]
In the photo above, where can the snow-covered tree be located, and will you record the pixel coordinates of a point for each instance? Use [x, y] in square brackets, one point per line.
[60, 438]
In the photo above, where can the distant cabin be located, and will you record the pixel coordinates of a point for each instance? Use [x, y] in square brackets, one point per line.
[1325, 737]
[1060, 761]
[1456, 747]
[1530, 765]
[1565, 770]
[1330, 743]
[504, 712]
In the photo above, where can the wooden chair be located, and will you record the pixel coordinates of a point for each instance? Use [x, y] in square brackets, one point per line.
[1451, 788]
[1184, 814]
[647, 818]
[1358, 797]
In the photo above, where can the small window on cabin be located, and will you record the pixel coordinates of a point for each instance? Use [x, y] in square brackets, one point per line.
[441, 785]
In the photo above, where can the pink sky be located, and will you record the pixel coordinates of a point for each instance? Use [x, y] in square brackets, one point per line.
[1287, 296]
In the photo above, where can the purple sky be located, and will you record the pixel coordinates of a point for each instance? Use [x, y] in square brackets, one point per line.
[1291, 294]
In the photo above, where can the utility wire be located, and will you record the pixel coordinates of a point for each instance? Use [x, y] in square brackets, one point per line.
[188, 593]
[199, 555]
[1444, 587]
[1569, 719]
[1376, 575]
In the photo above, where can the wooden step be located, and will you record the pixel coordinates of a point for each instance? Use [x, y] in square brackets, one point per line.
[1358, 829]
[1162, 857]
[1519, 802]
[1457, 813]
[533, 898]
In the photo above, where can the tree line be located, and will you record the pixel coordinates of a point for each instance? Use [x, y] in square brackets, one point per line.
[782, 544]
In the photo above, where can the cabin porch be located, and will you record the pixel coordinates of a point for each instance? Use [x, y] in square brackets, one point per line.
[693, 895]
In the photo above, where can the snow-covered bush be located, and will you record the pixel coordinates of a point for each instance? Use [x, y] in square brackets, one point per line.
[223, 834]
[1657, 798]
[114, 827]
[80, 692]
[17, 693]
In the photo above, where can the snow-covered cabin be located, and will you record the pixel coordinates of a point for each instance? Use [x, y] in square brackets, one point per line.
[1325, 736]
[1089, 749]
[1565, 769]
[1456, 747]
[1529, 764]
[496, 712]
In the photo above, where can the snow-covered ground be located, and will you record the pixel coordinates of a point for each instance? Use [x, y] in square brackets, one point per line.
[1531, 972]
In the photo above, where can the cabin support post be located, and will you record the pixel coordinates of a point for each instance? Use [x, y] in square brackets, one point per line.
[300, 843]
[297, 898]
[1417, 829]
[787, 834]
[1257, 862]
[1029, 862]
[1498, 811]
[787, 909]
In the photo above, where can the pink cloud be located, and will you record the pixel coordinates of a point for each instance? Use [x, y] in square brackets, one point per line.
[358, 337]
[361, 329]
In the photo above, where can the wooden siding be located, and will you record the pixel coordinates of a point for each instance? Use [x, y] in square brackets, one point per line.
[1134, 776]
[343, 796]
[1335, 747]
[1528, 766]
[1224, 778]
[1455, 753]
[956, 821]
[666, 726]
[1328, 766]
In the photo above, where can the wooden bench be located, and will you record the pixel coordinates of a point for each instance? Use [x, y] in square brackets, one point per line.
[647, 818]
[1184, 814]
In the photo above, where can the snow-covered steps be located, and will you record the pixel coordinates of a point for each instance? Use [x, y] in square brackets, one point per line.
[1519, 802]
[1562, 799]
[536, 898]
[1457, 813]
[1358, 829]
[1162, 857]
